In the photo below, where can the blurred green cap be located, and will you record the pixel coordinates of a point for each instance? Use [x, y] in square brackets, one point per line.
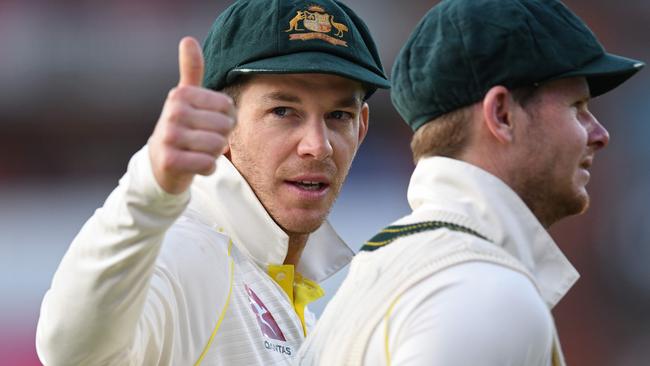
[462, 48]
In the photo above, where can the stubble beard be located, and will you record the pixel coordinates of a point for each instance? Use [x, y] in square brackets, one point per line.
[548, 197]
[550, 200]
[290, 223]
[293, 225]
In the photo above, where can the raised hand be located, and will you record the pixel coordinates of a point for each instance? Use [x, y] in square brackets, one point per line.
[193, 128]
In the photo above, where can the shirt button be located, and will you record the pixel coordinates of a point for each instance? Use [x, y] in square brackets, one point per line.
[280, 276]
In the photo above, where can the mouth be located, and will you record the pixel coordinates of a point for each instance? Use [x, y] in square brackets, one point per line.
[309, 185]
[585, 165]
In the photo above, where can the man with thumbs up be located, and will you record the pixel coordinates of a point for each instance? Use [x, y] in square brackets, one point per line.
[215, 240]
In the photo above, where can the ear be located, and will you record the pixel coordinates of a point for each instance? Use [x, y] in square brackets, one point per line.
[498, 113]
[226, 149]
[231, 136]
[363, 122]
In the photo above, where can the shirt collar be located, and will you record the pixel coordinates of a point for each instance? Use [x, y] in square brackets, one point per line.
[467, 195]
[225, 201]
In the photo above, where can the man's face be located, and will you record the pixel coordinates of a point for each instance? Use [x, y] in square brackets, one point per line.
[295, 139]
[560, 139]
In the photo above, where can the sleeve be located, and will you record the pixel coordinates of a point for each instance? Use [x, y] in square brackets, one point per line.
[471, 314]
[93, 311]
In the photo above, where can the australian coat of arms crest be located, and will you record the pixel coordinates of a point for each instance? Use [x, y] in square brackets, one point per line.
[317, 24]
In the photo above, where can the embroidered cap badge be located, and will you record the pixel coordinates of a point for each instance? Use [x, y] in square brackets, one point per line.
[320, 23]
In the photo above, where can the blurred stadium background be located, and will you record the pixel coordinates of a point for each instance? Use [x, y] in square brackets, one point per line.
[81, 86]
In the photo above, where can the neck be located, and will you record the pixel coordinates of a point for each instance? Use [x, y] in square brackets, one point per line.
[297, 244]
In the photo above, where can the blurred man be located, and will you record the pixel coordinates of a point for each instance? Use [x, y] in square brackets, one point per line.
[497, 92]
[217, 269]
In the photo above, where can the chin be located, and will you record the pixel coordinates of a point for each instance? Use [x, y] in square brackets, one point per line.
[585, 204]
[578, 204]
[302, 224]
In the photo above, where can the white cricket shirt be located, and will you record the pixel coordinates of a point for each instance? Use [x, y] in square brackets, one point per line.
[151, 280]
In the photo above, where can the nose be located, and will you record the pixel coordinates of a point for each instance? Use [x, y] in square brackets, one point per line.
[598, 135]
[315, 141]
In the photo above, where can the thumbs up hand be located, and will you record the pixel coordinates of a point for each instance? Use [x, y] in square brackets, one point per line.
[193, 128]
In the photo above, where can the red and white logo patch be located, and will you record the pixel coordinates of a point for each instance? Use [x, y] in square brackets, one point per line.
[265, 320]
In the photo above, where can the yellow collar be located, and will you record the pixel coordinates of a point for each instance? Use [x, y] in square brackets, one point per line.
[300, 290]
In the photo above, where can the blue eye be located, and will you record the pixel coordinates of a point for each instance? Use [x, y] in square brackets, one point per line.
[281, 111]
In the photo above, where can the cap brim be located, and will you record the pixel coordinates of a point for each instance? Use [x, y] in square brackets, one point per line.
[606, 72]
[309, 63]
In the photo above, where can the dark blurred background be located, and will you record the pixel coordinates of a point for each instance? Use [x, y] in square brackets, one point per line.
[81, 87]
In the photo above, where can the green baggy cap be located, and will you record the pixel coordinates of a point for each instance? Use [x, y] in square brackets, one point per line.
[291, 37]
[462, 48]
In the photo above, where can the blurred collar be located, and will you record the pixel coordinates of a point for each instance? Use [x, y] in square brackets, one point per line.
[225, 201]
[467, 195]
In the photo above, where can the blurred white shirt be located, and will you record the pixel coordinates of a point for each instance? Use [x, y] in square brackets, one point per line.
[448, 296]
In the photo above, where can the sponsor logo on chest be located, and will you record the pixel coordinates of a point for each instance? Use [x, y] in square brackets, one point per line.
[267, 324]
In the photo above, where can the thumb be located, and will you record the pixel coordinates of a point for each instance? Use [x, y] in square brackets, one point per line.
[190, 62]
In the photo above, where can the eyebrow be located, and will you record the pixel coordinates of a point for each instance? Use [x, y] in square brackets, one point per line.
[351, 101]
[278, 96]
